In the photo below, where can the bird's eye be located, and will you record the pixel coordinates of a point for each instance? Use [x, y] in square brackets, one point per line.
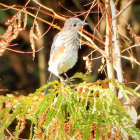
[74, 25]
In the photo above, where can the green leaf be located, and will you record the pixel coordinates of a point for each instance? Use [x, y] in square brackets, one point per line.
[80, 76]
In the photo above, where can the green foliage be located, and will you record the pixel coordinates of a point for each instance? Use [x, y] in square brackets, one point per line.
[70, 112]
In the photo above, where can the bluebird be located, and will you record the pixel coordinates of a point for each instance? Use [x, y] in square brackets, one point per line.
[64, 49]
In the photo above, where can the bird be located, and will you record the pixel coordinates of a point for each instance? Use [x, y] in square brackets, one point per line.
[64, 49]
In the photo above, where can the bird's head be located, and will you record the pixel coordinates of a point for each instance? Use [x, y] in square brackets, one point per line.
[74, 24]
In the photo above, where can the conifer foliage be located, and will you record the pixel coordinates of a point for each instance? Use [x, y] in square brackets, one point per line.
[84, 111]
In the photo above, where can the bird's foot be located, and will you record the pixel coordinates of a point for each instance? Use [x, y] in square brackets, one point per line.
[67, 81]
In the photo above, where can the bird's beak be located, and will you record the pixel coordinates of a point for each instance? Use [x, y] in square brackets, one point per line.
[84, 24]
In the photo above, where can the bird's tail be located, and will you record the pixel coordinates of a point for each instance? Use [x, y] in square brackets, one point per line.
[50, 79]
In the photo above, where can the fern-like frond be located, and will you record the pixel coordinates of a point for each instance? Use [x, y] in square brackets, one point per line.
[85, 111]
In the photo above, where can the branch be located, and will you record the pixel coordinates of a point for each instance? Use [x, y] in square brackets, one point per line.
[132, 59]
[108, 48]
[49, 9]
[116, 49]
[125, 7]
[137, 45]
[90, 42]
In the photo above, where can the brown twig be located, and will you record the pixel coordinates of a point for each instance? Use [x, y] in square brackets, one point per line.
[17, 51]
[137, 45]
[132, 59]
[29, 13]
[125, 7]
[92, 5]
[49, 9]
[47, 22]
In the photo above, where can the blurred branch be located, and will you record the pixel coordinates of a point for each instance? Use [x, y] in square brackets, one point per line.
[42, 60]
[123, 9]
[137, 88]
[136, 45]
[132, 59]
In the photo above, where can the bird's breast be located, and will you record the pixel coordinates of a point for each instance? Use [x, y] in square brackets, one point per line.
[69, 59]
